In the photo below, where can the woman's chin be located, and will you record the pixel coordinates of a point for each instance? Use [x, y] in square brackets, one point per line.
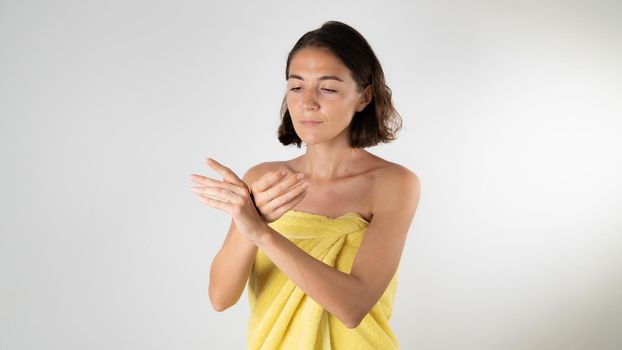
[309, 141]
[306, 137]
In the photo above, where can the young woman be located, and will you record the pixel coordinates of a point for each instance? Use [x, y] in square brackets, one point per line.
[319, 238]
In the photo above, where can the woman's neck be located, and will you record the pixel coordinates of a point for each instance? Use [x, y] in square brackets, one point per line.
[322, 162]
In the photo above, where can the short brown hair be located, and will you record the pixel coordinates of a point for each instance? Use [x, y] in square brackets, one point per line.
[379, 121]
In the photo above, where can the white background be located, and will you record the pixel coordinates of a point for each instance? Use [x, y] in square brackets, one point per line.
[512, 121]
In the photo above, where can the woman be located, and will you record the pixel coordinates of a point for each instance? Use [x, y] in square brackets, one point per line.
[319, 237]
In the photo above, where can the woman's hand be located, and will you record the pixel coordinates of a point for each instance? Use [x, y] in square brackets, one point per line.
[231, 195]
[272, 197]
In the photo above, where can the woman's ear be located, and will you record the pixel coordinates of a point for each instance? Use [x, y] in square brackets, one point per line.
[366, 98]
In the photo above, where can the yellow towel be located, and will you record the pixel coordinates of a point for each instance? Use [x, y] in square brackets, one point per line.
[284, 317]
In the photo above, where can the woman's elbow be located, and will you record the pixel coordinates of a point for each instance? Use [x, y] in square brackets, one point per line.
[218, 304]
[218, 307]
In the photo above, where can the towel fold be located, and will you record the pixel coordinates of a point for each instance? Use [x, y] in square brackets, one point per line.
[284, 317]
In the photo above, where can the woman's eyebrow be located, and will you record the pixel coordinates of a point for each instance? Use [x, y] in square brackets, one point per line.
[324, 77]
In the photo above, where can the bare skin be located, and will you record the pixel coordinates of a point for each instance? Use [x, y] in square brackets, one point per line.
[340, 179]
[347, 194]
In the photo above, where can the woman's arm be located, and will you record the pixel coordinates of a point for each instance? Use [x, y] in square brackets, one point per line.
[232, 264]
[349, 297]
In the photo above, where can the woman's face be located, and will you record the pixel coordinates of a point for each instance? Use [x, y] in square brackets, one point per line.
[322, 97]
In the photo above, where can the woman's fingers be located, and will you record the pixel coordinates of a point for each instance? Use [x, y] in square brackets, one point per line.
[297, 194]
[216, 203]
[284, 186]
[225, 172]
[219, 193]
[207, 182]
[204, 180]
[268, 180]
[286, 198]
[266, 189]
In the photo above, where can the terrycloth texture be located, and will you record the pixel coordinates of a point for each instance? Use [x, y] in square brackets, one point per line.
[284, 317]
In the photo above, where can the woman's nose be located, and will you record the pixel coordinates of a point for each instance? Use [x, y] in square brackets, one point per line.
[308, 100]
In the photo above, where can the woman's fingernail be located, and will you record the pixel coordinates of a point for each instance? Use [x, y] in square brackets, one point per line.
[300, 176]
[284, 172]
[304, 185]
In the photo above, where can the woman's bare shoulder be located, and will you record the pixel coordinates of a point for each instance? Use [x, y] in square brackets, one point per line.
[258, 170]
[394, 180]
[398, 169]
[391, 172]
[386, 167]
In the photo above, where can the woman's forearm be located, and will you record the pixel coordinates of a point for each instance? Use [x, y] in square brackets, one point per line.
[332, 289]
[229, 273]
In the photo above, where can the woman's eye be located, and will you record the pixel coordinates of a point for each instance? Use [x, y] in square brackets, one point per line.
[298, 89]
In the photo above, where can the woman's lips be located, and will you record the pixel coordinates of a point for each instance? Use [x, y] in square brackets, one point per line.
[310, 122]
